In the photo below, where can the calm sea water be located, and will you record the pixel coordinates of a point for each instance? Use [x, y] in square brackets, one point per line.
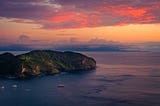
[121, 79]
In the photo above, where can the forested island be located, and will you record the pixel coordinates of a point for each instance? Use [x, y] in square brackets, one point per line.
[43, 62]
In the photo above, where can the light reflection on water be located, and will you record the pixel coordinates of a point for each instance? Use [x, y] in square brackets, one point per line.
[121, 79]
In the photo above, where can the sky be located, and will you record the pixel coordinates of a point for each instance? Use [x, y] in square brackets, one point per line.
[128, 24]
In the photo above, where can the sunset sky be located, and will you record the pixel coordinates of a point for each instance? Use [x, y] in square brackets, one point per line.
[49, 23]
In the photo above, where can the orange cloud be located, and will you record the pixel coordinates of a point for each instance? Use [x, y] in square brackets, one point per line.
[131, 12]
[65, 17]
[81, 13]
[74, 19]
[125, 10]
[147, 19]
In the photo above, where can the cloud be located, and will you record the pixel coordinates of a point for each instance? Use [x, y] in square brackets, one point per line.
[148, 46]
[60, 14]
[95, 44]
[24, 37]
[63, 34]
[97, 41]
[24, 42]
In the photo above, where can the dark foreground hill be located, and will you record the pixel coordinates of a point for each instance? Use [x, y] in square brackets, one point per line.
[43, 62]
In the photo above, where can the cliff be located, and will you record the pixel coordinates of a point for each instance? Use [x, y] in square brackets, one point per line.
[43, 62]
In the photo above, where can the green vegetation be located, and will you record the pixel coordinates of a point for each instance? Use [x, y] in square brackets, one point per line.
[45, 62]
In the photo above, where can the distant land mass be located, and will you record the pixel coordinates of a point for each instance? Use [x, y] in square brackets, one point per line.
[90, 48]
[43, 62]
[65, 48]
[15, 48]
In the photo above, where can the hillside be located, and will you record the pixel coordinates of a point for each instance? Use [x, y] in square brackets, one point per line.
[43, 62]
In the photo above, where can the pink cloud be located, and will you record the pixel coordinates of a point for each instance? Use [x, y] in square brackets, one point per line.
[130, 12]
[73, 19]
[59, 14]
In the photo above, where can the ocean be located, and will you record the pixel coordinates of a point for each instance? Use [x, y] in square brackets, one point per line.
[120, 79]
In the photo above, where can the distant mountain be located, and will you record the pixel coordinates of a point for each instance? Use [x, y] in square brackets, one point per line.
[65, 48]
[15, 48]
[90, 48]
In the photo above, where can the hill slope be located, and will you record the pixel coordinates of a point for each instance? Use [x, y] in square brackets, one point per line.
[45, 62]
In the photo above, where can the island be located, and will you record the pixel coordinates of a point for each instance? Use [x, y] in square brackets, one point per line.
[43, 62]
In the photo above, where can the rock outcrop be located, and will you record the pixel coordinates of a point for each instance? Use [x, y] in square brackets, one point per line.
[43, 62]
